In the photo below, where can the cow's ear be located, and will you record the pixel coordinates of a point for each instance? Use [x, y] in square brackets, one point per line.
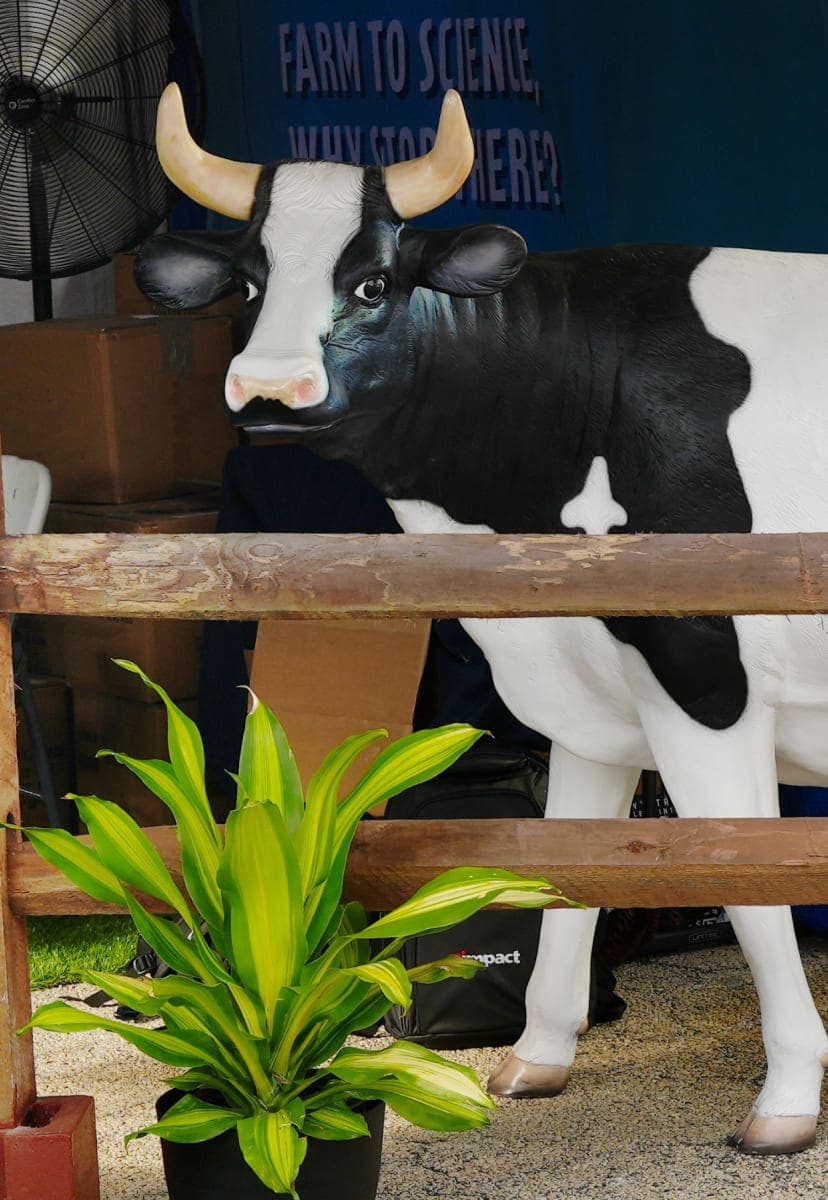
[474, 261]
[185, 270]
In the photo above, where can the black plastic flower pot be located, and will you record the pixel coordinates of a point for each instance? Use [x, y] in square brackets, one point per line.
[216, 1169]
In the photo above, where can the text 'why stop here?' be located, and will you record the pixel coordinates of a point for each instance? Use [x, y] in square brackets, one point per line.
[514, 168]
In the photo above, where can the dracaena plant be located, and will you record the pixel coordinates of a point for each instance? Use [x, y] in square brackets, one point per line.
[277, 971]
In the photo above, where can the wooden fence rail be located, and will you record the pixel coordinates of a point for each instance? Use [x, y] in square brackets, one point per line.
[250, 576]
[648, 864]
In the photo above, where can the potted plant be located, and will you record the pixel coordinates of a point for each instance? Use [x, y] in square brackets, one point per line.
[272, 971]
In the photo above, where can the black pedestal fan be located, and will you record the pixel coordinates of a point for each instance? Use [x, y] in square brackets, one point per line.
[79, 87]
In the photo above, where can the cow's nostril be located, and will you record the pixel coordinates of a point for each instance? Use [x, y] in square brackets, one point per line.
[306, 388]
[235, 390]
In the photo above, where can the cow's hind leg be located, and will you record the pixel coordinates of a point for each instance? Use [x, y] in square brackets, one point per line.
[557, 996]
[784, 1117]
[732, 773]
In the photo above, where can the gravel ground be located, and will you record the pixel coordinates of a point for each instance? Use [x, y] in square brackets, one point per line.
[645, 1114]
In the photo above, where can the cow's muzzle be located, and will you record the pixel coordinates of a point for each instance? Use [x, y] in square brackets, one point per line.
[294, 384]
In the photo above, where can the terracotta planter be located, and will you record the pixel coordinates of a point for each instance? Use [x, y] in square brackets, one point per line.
[216, 1170]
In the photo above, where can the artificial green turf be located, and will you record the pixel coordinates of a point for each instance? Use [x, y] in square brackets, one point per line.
[61, 947]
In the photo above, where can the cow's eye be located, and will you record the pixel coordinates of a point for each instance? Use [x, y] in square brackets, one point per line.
[371, 290]
[250, 290]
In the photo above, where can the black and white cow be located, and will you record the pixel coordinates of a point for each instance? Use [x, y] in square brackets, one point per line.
[637, 388]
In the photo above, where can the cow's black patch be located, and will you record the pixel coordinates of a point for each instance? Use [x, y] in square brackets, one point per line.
[508, 399]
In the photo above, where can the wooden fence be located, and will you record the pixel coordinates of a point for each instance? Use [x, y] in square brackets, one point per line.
[248, 576]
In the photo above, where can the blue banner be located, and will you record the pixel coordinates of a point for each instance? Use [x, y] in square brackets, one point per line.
[649, 120]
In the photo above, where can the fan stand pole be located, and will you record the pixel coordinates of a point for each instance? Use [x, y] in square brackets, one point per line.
[39, 234]
[42, 299]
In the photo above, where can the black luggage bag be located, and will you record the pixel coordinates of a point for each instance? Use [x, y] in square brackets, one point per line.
[490, 780]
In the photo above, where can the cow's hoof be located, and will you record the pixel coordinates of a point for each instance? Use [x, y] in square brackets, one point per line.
[523, 1080]
[773, 1135]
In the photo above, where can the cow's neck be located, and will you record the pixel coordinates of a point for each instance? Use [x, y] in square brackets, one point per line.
[465, 439]
[533, 417]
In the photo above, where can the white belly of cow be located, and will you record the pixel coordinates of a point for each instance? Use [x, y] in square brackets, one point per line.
[562, 676]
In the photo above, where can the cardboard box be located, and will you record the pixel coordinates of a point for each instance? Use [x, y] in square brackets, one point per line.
[54, 706]
[80, 649]
[326, 680]
[130, 299]
[140, 730]
[118, 408]
[195, 512]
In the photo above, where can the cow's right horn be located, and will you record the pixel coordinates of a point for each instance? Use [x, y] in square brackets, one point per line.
[219, 184]
[424, 183]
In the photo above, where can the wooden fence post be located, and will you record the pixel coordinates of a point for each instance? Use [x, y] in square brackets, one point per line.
[17, 1082]
[48, 1148]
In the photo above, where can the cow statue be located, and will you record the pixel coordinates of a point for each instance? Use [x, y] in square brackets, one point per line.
[661, 388]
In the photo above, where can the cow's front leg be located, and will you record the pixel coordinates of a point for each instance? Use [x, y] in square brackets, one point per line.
[557, 997]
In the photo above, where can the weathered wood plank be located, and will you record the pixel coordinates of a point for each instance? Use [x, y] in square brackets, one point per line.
[17, 1078]
[248, 576]
[641, 863]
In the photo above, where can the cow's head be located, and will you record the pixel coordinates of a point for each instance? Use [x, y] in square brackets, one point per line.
[327, 264]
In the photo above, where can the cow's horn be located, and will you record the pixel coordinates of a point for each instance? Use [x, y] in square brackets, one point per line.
[218, 183]
[418, 186]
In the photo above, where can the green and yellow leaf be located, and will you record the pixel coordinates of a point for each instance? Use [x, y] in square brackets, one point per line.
[198, 834]
[417, 1083]
[202, 1077]
[127, 851]
[259, 877]
[457, 894]
[334, 1123]
[186, 749]
[407, 761]
[172, 1048]
[273, 1149]
[315, 840]
[311, 1013]
[267, 768]
[419, 1105]
[78, 862]
[390, 976]
[453, 966]
[171, 944]
[209, 1008]
[407, 1060]
[132, 993]
[191, 1120]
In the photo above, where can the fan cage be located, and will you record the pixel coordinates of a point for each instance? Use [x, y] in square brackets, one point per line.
[80, 180]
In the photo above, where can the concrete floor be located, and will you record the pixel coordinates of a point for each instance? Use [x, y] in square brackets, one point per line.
[646, 1113]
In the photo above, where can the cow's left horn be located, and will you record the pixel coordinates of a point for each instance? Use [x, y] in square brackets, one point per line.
[424, 183]
[218, 183]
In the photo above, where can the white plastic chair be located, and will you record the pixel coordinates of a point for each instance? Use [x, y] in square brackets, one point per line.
[27, 489]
